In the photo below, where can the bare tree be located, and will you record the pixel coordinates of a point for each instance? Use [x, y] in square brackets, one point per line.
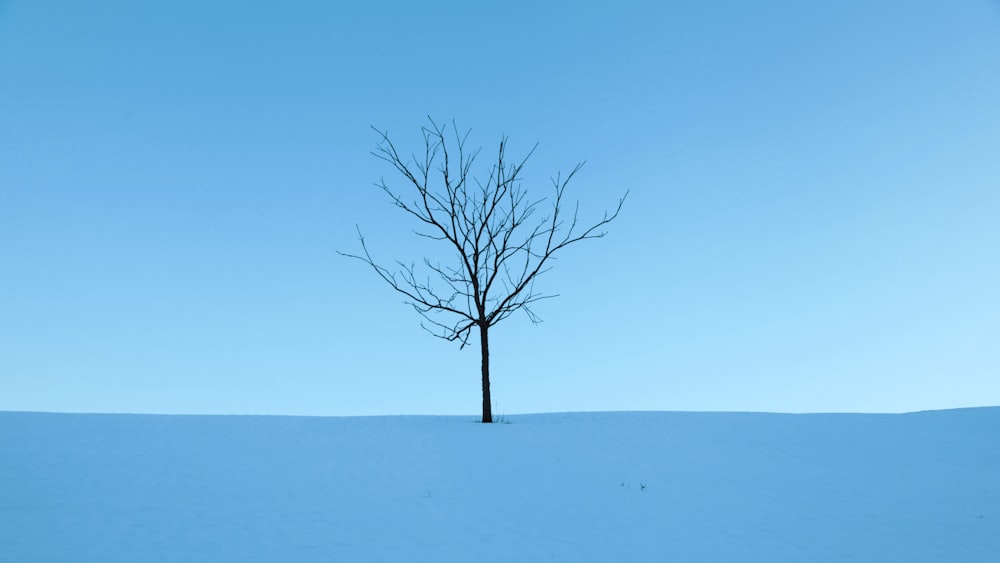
[501, 241]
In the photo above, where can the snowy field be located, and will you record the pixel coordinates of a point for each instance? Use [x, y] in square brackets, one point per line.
[607, 487]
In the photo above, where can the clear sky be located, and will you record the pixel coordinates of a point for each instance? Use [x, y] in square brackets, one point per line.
[813, 225]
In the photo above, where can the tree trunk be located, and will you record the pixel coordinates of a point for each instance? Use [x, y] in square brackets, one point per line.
[484, 342]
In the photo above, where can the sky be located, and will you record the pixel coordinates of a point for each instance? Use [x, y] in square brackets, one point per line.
[811, 223]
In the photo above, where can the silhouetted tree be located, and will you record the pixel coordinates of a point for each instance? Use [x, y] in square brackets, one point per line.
[500, 244]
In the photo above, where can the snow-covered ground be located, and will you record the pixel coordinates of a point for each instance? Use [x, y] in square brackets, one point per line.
[608, 487]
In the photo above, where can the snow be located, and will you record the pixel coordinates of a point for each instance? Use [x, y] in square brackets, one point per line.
[656, 486]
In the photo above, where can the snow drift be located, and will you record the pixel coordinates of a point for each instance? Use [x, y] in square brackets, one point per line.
[686, 487]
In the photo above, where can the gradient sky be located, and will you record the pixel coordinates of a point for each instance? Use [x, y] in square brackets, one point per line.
[813, 225]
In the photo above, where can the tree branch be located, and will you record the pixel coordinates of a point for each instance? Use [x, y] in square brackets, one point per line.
[500, 249]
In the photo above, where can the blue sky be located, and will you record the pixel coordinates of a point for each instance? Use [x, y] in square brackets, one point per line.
[812, 224]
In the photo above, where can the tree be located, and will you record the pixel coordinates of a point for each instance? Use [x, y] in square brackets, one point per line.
[500, 247]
